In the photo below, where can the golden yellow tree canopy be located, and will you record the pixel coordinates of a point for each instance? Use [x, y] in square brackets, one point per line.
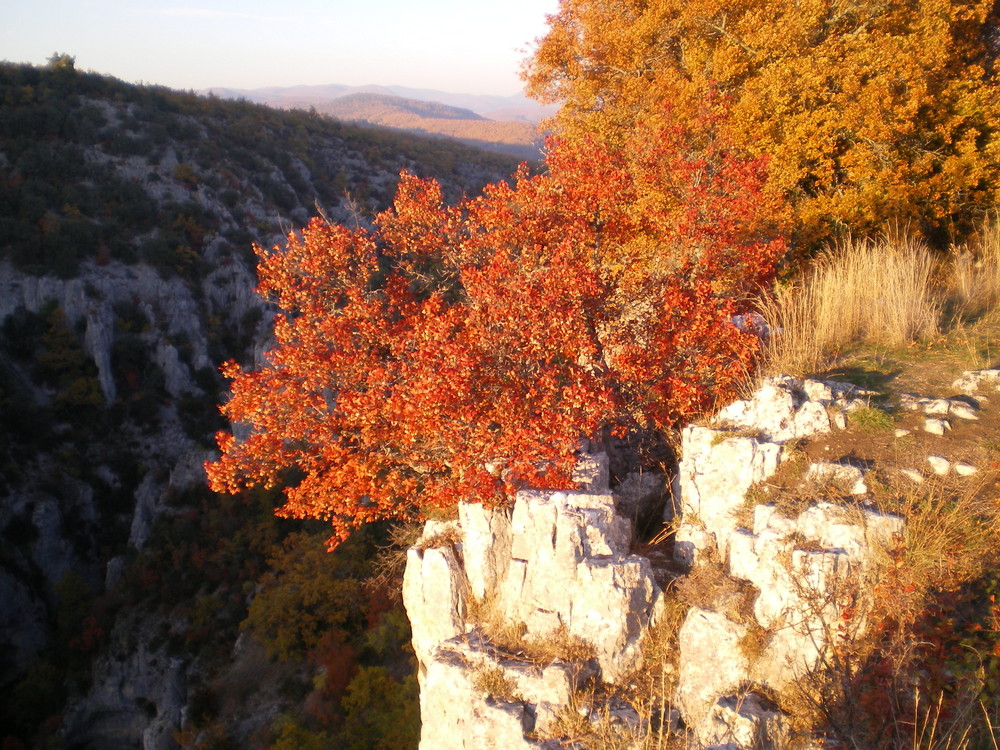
[871, 110]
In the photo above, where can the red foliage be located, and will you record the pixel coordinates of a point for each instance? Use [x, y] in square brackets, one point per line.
[339, 665]
[91, 635]
[457, 353]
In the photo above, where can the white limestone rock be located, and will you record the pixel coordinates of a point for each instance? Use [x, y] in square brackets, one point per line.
[799, 588]
[711, 662]
[853, 404]
[571, 570]
[434, 594]
[486, 539]
[937, 426]
[559, 564]
[780, 410]
[818, 390]
[839, 419]
[975, 381]
[464, 718]
[767, 518]
[543, 689]
[715, 473]
[859, 532]
[937, 407]
[939, 465]
[742, 721]
[962, 410]
[591, 472]
[692, 542]
[137, 691]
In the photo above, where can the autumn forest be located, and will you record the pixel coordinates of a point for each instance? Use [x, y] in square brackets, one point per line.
[348, 330]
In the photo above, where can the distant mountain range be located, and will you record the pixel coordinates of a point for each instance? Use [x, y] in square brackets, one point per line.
[516, 107]
[507, 124]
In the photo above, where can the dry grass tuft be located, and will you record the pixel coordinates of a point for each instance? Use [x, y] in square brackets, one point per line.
[446, 537]
[860, 291]
[512, 636]
[709, 586]
[976, 273]
[889, 292]
[495, 683]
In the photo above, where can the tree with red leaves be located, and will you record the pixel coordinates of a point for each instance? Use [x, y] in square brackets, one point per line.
[457, 353]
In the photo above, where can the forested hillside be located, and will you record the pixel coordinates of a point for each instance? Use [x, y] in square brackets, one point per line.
[130, 592]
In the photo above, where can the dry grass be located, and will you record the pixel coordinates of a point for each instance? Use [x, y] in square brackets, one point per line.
[709, 586]
[933, 731]
[511, 636]
[976, 273]
[495, 683]
[859, 291]
[888, 292]
[951, 537]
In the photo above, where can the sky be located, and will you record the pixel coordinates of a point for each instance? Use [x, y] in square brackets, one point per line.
[460, 46]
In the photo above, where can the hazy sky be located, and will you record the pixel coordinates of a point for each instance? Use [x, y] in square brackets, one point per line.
[466, 46]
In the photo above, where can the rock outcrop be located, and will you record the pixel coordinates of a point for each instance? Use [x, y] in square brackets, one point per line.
[806, 568]
[555, 572]
[138, 694]
[785, 582]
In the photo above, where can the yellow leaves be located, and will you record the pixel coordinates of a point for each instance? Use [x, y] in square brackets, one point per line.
[852, 99]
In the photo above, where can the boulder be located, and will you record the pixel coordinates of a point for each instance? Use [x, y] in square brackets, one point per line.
[711, 662]
[434, 594]
[783, 409]
[715, 473]
[742, 721]
[459, 715]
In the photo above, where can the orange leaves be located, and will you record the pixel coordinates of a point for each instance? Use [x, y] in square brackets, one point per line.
[456, 353]
[870, 111]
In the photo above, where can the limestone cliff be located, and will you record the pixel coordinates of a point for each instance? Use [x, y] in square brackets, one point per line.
[557, 565]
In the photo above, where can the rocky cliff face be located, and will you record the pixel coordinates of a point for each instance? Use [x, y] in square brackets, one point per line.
[126, 278]
[783, 584]
[87, 526]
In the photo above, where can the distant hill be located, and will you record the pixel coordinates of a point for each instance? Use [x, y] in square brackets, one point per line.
[506, 124]
[515, 107]
[375, 107]
[519, 139]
